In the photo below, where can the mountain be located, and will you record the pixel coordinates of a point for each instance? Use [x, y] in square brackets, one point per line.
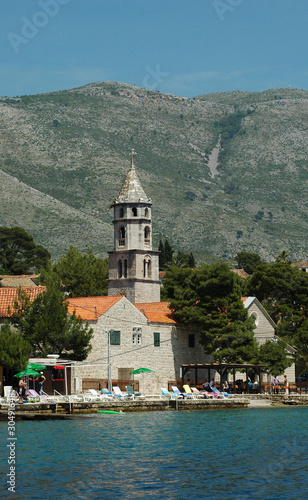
[226, 172]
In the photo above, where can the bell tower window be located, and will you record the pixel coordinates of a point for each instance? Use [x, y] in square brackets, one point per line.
[146, 213]
[120, 269]
[134, 210]
[147, 233]
[121, 213]
[122, 236]
[147, 267]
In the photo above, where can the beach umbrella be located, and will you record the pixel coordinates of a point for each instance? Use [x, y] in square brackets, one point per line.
[143, 371]
[36, 366]
[28, 372]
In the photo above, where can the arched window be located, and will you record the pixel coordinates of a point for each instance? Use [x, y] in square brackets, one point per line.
[134, 210]
[125, 268]
[147, 233]
[120, 269]
[147, 267]
[121, 213]
[146, 212]
[121, 236]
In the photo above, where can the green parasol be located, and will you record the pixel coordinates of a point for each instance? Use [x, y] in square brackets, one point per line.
[143, 371]
[36, 366]
[27, 373]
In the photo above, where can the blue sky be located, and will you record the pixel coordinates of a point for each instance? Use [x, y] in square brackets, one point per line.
[184, 47]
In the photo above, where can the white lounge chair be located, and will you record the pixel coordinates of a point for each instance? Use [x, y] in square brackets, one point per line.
[119, 394]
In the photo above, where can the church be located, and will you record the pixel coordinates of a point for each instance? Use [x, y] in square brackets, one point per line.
[132, 328]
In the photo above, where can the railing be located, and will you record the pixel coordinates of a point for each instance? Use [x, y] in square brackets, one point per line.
[121, 242]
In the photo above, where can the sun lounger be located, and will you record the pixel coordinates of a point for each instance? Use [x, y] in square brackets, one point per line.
[193, 392]
[130, 391]
[178, 392]
[107, 394]
[119, 394]
[33, 396]
[164, 393]
[91, 395]
[189, 393]
[220, 394]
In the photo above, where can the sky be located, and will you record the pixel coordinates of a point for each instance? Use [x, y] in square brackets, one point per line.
[183, 47]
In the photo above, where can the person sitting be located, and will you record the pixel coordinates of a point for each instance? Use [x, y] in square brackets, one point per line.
[225, 385]
[255, 386]
[206, 386]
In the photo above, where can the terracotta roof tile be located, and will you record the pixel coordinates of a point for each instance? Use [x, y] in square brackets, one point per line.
[91, 308]
[10, 294]
[157, 312]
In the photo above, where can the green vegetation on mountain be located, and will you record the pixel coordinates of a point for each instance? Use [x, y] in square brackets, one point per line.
[65, 155]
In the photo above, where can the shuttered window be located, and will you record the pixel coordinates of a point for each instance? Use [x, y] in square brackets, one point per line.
[156, 339]
[115, 337]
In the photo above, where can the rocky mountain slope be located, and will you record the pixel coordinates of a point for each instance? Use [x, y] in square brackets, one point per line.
[226, 172]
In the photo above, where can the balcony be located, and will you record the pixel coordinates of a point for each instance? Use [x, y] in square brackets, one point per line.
[121, 242]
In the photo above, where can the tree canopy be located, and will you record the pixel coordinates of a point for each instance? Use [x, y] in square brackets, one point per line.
[248, 261]
[15, 350]
[46, 324]
[82, 275]
[18, 252]
[211, 298]
[283, 291]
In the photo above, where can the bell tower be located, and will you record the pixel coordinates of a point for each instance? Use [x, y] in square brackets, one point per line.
[133, 265]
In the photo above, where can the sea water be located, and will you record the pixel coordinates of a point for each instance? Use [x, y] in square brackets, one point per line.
[258, 453]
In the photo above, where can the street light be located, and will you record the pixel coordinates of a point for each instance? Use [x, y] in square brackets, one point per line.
[108, 358]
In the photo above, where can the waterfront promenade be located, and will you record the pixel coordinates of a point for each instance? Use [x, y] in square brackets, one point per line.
[63, 410]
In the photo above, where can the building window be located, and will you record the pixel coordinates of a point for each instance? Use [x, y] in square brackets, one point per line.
[147, 267]
[191, 340]
[125, 268]
[115, 337]
[156, 339]
[121, 236]
[147, 233]
[120, 269]
[146, 213]
[255, 317]
[134, 210]
[137, 336]
[121, 213]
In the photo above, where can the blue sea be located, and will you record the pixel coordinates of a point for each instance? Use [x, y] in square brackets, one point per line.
[257, 453]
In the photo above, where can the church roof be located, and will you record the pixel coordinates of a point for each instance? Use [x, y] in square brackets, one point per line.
[19, 280]
[132, 191]
[156, 312]
[91, 308]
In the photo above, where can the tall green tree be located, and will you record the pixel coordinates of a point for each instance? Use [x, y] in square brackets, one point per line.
[15, 350]
[82, 275]
[283, 291]
[18, 252]
[248, 261]
[275, 356]
[211, 298]
[166, 253]
[46, 324]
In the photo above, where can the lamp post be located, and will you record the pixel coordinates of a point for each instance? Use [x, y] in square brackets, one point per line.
[108, 358]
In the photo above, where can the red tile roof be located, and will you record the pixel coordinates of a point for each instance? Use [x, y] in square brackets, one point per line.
[157, 312]
[8, 296]
[91, 308]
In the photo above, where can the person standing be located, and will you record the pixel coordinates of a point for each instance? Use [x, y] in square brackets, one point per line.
[286, 384]
[275, 383]
[41, 383]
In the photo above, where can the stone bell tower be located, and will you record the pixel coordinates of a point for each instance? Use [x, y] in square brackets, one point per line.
[133, 265]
